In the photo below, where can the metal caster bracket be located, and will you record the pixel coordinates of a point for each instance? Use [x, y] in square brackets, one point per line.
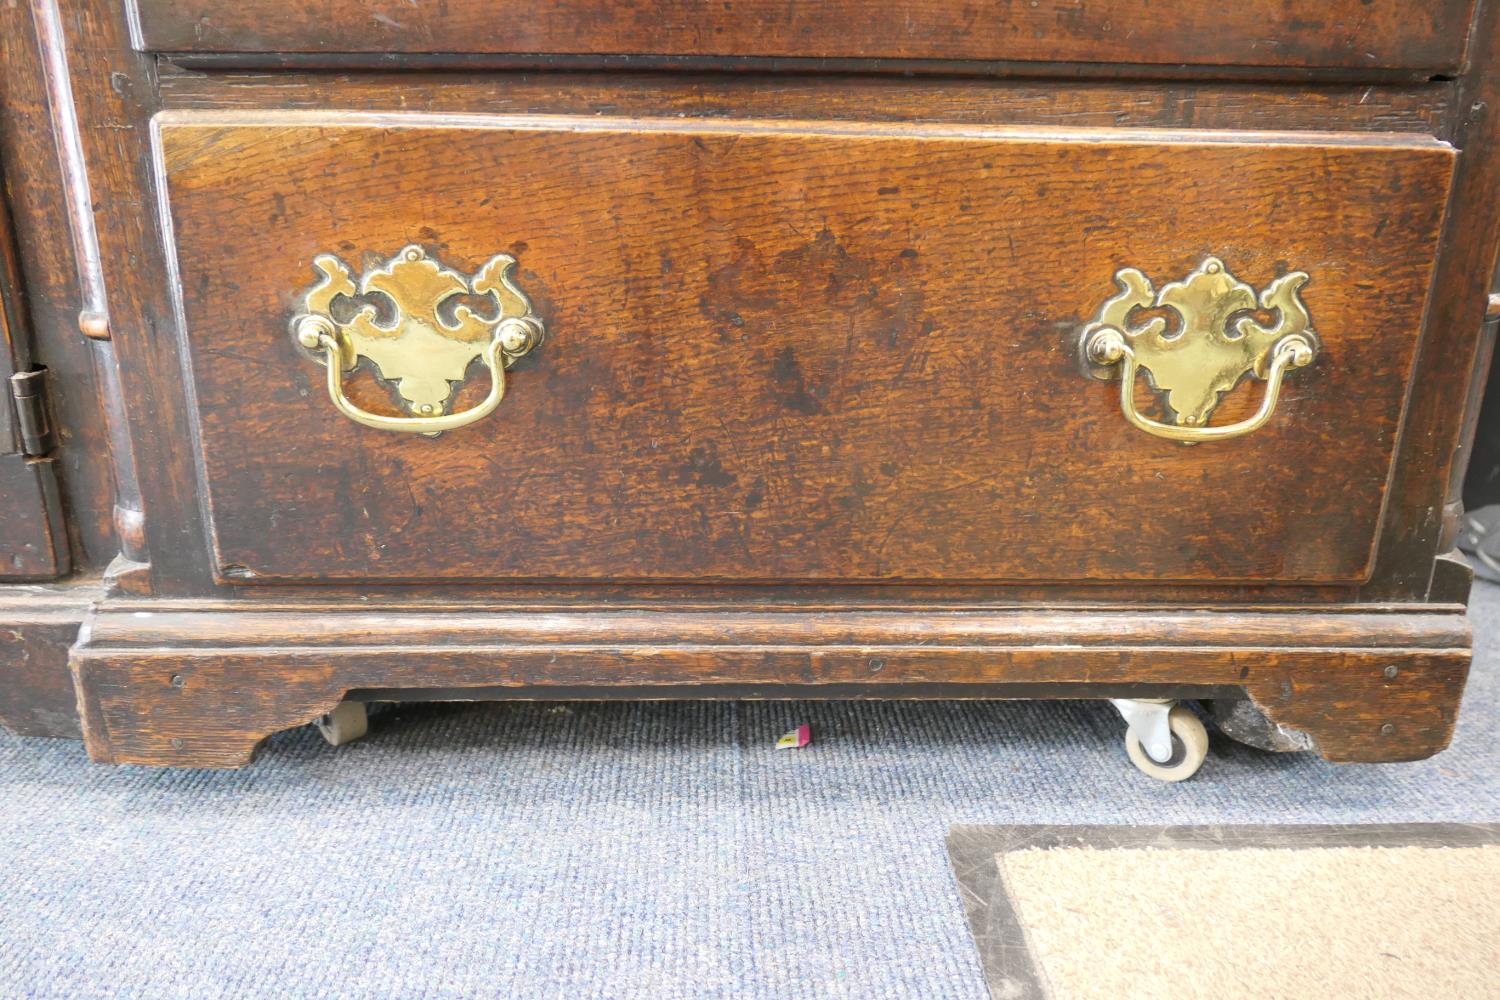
[1147, 718]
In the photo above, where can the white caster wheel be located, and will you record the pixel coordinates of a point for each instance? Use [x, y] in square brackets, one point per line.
[1189, 748]
[345, 724]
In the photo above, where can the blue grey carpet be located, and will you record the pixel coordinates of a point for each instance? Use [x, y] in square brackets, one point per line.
[611, 850]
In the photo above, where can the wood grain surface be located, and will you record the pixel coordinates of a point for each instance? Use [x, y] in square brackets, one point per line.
[192, 687]
[33, 533]
[34, 191]
[38, 624]
[927, 435]
[1357, 34]
[795, 352]
[1447, 368]
[1423, 107]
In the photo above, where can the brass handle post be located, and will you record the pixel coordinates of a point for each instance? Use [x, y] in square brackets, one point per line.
[1108, 347]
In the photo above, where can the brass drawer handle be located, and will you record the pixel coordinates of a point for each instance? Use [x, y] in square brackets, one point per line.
[1208, 355]
[424, 352]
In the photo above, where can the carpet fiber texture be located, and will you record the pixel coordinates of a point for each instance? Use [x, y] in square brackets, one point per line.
[612, 850]
[1399, 923]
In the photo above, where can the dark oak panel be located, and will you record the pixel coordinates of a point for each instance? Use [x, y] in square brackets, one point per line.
[1355, 34]
[44, 252]
[38, 624]
[796, 352]
[33, 535]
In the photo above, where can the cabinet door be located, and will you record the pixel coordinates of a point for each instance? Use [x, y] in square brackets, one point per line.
[33, 541]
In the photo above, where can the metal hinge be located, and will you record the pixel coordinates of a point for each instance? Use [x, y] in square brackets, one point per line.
[28, 394]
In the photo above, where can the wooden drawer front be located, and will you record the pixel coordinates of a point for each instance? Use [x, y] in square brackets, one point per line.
[802, 352]
[1352, 34]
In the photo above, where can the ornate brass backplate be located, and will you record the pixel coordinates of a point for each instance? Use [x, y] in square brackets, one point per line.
[425, 351]
[1216, 344]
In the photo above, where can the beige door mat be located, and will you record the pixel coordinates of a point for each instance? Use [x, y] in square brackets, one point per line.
[1228, 912]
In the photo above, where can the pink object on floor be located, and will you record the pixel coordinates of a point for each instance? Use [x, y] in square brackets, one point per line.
[799, 737]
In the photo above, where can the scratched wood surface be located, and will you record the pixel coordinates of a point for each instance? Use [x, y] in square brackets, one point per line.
[182, 562]
[1424, 107]
[1427, 476]
[38, 624]
[33, 535]
[191, 687]
[1356, 34]
[794, 354]
[44, 256]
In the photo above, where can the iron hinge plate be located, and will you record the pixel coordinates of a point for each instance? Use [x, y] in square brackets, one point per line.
[28, 394]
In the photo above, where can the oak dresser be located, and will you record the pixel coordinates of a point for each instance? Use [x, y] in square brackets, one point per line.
[368, 350]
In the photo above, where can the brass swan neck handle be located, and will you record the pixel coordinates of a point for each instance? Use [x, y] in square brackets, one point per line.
[1217, 343]
[1108, 347]
[427, 349]
[317, 334]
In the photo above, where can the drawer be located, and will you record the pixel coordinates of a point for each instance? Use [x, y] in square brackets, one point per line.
[793, 352]
[1345, 34]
